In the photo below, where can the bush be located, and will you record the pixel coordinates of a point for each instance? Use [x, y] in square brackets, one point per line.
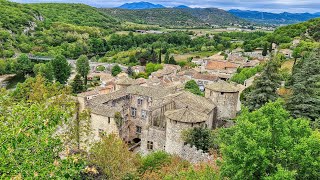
[100, 68]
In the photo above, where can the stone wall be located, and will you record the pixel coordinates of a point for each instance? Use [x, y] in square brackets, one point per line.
[102, 124]
[193, 155]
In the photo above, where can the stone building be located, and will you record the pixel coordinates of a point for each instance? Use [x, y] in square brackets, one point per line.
[154, 117]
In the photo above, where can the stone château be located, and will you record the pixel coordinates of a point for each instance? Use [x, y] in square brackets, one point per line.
[156, 117]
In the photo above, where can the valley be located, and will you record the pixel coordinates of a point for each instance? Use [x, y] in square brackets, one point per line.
[145, 91]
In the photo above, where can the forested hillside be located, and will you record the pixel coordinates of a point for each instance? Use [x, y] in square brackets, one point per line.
[77, 14]
[175, 17]
[48, 29]
[309, 29]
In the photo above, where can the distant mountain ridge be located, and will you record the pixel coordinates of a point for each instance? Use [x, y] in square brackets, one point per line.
[182, 7]
[176, 17]
[140, 5]
[273, 18]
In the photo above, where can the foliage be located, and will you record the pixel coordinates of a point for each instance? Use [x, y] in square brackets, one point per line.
[45, 70]
[77, 14]
[24, 64]
[193, 87]
[268, 143]
[203, 173]
[101, 68]
[111, 154]
[7, 66]
[77, 85]
[154, 161]
[265, 50]
[83, 67]
[245, 73]
[305, 99]
[174, 17]
[172, 60]
[37, 89]
[264, 87]
[201, 138]
[116, 70]
[61, 68]
[29, 149]
[150, 68]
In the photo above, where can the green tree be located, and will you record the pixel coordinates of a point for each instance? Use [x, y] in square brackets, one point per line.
[268, 143]
[201, 138]
[270, 47]
[265, 50]
[24, 64]
[61, 69]
[83, 67]
[116, 70]
[265, 87]
[167, 58]
[151, 67]
[172, 60]
[77, 84]
[45, 70]
[130, 71]
[133, 59]
[296, 54]
[193, 87]
[305, 99]
[30, 144]
[160, 57]
[111, 154]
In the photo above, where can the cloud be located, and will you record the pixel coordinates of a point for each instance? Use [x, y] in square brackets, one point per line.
[270, 5]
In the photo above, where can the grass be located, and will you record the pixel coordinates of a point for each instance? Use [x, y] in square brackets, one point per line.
[184, 57]
[287, 65]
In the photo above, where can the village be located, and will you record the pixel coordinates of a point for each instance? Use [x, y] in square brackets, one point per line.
[151, 114]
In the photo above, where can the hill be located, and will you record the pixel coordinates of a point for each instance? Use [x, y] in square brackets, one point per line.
[309, 30]
[140, 5]
[176, 17]
[77, 14]
[273, 18]
[182, 7]
[47, 29]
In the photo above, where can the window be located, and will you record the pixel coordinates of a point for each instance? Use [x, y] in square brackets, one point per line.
[140, 100]
[144, 114]
[133, 112]
[109, 120]
[138, 129]
[150, 145]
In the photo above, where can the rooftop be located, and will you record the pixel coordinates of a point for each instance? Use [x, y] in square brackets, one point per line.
[220, 65]
[222, 86]
[186, 115]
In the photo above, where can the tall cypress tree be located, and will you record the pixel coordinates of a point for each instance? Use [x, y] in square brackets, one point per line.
[265, 87]
[265, 50]
[167, 58]
[160, 56]
[305, 99]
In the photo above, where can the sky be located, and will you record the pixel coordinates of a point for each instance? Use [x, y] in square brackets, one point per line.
[276, 6]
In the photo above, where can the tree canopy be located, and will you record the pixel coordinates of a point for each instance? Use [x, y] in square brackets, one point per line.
[268, 143]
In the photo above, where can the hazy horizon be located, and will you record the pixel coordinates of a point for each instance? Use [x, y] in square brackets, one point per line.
[274, 6]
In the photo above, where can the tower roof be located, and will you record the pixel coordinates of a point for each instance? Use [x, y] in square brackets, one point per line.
[186, 115]
[222, 86]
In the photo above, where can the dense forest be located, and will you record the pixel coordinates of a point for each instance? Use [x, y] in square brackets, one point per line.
[177, 17]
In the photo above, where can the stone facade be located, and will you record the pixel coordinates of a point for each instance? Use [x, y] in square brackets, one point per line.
[156, 116]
